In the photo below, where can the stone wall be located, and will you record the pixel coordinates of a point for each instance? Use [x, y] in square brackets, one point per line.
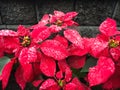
[29, 12]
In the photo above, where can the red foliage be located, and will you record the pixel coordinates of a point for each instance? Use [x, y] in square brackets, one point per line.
[49, 53]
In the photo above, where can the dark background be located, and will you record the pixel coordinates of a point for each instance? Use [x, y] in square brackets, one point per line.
[29, 12]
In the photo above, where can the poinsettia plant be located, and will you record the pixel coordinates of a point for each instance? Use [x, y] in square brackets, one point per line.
[53, 56]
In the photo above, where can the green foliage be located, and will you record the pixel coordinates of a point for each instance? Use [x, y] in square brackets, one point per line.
[89, 63]
[3, 61]
[81, 73]
[77, 73]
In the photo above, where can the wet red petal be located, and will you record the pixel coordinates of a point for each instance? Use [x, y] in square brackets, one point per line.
[114, 81]
[11, 44]
[40, 34]
[76, 61]
[69, 23]
[58, 13]
[28, 55]
[36, 69]
[0, 77]
[8, 33]
[44, 20]
[68, 74]
[70, 86]
[52, 18]
[97, 46]
[36, 83]
[108, 27]
[19, 77]
[1, 53]
[28, 73]
[87, 44]
[101, 72]
[80, 86]
[117, 37]
[70, 15]
[74, 37]
[62, 40]
[22, 31]
[47, 84]
[74, 50]
[1, 47]
[54, 28]
[59, 75]
[62, 65]
[115, 53]
[48, 66]
[6, 73]
[54, 49]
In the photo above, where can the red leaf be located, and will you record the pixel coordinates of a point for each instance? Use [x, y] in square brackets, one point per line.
[6, 73]
[1, 47]
[62, 40]
[54, 28]
[36, 83]
[69, 23]
[80, 86]
[8, 33]
[74, 50]
[101, 72]
[28, 55]
[40, 34]
[53, 18]
[70, 15]
[59, 75]
[108, 27]
[70, 86]
[23, 31]
[28, 73]
[36, 69]
[0, 77]
[42, 22]
[87, 43]
[68, 74]
[97, 46]
[49, 84]
[54, 49]
[58, 13]
[74, 37]
[76, 61]
[114, 81]
[11, 44]
[48, 66]
[62, 65]
[115, 53]
[19, 77]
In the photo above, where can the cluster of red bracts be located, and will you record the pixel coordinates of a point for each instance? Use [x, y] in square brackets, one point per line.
[46, 52]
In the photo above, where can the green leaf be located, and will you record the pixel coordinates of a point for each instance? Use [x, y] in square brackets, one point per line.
[77, 73]
[89, 63]
[4, 60]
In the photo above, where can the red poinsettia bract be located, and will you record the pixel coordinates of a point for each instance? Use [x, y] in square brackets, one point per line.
[47, 55]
